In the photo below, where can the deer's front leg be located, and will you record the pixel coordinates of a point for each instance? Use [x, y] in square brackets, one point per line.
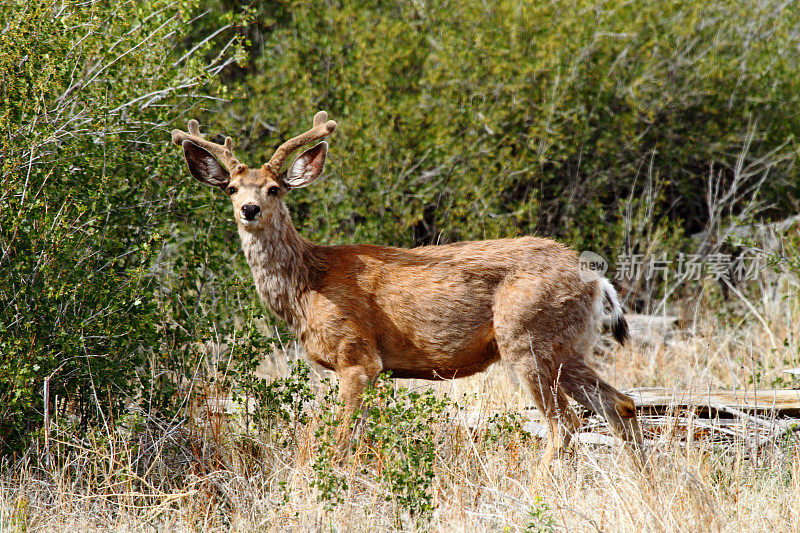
[353, 381]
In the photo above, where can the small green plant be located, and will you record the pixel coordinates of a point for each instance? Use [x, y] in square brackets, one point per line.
[400, 439]
[280, 407]
[19, 516]
[539, 517]
[400, 429]
[505, 425]
[330, 485]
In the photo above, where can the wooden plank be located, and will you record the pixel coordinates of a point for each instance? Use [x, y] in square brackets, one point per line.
[717, 415]
[758, 417]
[722, 402]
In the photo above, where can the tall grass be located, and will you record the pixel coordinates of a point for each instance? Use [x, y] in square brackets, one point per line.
[221, 470]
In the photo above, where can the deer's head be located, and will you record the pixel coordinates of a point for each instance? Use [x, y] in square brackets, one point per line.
[255, 193]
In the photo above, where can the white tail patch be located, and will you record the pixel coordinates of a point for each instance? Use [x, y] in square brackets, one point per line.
[619, 326]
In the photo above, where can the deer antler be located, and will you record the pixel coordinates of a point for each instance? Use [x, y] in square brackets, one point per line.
[321, 129]
[223, 152]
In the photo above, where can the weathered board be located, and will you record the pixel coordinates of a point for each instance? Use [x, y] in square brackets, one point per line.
[718, 402]
[756, 416]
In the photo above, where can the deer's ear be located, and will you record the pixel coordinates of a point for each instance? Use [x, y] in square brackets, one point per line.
[307, 168]
[204, 167]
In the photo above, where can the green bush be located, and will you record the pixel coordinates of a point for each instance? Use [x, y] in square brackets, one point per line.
[281, 403]
[463, 120]
[400, 432]
[397, 443]
[89, 92]
[331, 485]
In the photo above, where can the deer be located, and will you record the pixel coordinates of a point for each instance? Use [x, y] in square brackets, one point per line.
[436, 312]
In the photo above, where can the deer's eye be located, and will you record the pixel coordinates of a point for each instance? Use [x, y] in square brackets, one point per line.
[273, 191]
[232, 190]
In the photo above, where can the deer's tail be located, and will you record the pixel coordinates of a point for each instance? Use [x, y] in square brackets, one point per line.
[619, 326]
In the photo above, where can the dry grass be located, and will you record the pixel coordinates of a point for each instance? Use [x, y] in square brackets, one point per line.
[216, 476]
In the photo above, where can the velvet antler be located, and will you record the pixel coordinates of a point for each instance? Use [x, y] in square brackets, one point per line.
[223, 152]
[322, 128]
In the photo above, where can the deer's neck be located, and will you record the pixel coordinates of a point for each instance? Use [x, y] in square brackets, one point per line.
[283, 265]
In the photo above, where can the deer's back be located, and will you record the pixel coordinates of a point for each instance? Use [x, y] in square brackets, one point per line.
[477, 267]
[432, 306]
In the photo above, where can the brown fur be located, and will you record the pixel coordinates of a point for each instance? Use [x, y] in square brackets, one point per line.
[435, 312]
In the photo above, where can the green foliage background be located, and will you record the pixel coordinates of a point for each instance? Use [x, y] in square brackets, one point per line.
[458, 120]
[468, 120]
[92, 300]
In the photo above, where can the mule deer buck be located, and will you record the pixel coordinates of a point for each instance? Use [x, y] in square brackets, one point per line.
[433, 312]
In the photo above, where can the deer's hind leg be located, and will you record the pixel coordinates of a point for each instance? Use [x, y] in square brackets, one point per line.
[562, 424]
[587, 388]
[550, 399]
[534, 362]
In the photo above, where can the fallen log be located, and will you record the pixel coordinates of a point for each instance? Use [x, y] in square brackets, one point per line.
[718, 402]
[717, 415]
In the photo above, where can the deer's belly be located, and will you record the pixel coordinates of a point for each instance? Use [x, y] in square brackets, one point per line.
[418, 364]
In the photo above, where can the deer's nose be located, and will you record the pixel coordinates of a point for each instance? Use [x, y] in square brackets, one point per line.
[250, 211]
